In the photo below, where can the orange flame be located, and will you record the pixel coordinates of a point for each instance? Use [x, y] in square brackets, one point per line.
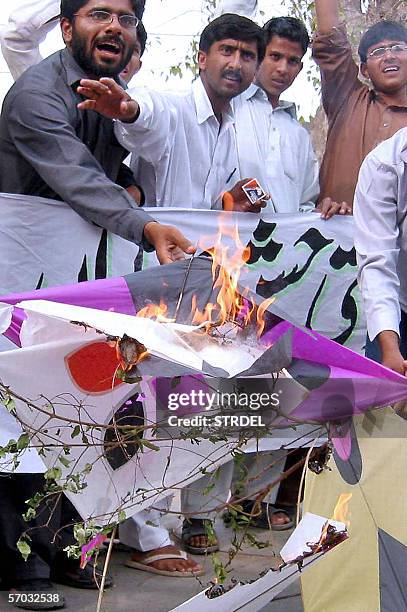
[156, 312]
[227, 265]
[340, 514]
[342, 509]
[228, 261]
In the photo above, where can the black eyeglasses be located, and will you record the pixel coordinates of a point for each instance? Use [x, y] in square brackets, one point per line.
[104, 17]
[394, 50]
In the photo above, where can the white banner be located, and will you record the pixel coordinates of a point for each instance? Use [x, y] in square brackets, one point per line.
[44, 243]
[307, 263]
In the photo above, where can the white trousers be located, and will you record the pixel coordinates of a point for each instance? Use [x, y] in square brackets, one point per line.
[200, 499]
[144, 531]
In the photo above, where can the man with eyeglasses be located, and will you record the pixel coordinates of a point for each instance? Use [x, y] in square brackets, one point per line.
[359, 117]
[20, 39]
[48, 148]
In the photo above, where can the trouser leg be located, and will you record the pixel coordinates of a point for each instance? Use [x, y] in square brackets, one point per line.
[15, 489]
[144, 530]
[257, 471]
[199, 499]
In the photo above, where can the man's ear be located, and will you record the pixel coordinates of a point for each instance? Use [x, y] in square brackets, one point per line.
[364, 70]
[66, 29]
[202, 60]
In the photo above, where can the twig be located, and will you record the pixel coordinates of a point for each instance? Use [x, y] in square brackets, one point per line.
[181, 294]
[105, 568]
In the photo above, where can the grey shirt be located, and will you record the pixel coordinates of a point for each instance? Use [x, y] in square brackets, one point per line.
[380, 211]
[51, 149]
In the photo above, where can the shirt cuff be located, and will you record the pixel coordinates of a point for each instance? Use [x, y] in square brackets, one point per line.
[336, 38]
[383, 320]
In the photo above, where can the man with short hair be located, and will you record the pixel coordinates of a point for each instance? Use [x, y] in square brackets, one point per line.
[272, 145]
[190, 172]
[20, 40]
[48, 148]
[277, 150]
[359, 118]
[190, 142]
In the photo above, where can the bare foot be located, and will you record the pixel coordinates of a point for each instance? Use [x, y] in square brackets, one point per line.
[279, 518]
[169, 565]
[201, 541]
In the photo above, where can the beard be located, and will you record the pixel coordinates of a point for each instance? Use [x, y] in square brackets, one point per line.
[86, 61]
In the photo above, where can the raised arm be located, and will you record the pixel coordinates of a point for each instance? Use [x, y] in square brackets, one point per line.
[246, 8]
[327, 13]
[27, 27]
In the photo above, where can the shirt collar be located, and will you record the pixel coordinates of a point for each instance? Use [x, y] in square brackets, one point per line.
[75, 73]
[203, 105]
[254, 91]
[375, 95]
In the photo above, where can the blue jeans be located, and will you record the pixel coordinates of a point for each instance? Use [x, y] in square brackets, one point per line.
[372, 348]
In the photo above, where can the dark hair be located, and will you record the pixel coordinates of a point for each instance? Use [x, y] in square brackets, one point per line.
[390, 30]
[142, 36]
[287, 27]
[236, 27]
[70, 7]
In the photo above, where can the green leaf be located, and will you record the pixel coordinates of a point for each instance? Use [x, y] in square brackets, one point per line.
[149, 445]
[65, 462]
[23, 441]
[8, 402]
[24, 549]
[122, 516]
[76, 431]
[208, 489]
[29, 515]
[53, 473]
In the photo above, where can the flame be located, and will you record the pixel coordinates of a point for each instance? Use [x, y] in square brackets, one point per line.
[340, 514]
[156, 312]
[227, 265]
[261, 322]
[342, 509]
[229, 257]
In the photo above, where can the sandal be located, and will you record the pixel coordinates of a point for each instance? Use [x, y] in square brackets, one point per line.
[87, 578]
[192, 528]
[262, 520]
[146, 566]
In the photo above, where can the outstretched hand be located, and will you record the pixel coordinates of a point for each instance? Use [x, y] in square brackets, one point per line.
[169, 243]
[107, 98]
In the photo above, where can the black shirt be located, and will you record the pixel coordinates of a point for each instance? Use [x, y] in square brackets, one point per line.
[51, 149]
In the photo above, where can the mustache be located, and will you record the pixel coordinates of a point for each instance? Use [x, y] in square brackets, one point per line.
[235, 74]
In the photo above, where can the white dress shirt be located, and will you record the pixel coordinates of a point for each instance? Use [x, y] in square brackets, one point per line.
[276, 150]
[380, 211]
[191, 154]
[27, 27]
